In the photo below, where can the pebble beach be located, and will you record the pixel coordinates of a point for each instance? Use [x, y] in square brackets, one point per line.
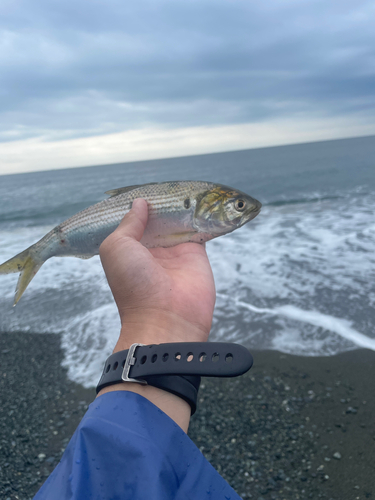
[291, 428]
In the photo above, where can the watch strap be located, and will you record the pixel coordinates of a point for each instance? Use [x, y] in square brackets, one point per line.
[185, 387]
[208, 359]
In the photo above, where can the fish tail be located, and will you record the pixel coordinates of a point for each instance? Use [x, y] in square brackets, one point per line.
[25, 264]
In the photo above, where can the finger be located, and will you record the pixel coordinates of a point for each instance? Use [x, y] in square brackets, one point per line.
[134, 222]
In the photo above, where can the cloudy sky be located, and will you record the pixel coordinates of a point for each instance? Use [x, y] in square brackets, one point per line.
[90, 82]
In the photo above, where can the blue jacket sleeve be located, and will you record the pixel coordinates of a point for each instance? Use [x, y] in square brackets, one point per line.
[126, 448]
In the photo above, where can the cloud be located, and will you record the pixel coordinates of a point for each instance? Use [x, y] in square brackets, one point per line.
[82, 68]
[151, 143]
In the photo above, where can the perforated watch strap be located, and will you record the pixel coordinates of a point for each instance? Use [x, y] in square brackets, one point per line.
[208, 359]
[183, 386]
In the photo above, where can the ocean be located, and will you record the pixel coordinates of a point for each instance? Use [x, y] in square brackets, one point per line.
[299, 278]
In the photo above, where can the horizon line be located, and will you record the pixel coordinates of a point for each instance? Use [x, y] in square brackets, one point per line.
[191, 156]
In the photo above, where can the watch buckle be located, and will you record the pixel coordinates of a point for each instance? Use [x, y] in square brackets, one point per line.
[129, 362]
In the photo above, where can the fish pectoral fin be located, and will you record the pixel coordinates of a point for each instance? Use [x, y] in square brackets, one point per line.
[176, 236]
[127, 189]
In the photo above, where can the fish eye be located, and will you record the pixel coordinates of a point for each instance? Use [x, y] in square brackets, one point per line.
[239, 205]
[187, 203]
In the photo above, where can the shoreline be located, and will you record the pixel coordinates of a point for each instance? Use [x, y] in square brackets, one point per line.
[291, 428]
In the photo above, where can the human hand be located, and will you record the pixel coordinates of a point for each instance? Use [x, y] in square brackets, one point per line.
[162, 294]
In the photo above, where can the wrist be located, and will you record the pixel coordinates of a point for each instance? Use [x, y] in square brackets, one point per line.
[175, 368]
[159, 328]
[174, 406]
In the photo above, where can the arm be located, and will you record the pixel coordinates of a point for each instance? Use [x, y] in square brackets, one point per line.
[125, 447]
[162, 295]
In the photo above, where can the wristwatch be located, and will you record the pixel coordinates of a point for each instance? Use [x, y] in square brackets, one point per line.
[176, 367]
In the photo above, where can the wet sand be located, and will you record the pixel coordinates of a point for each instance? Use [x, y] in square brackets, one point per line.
[291, 428]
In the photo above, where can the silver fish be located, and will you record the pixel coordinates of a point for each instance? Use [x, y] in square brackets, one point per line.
[179, 212]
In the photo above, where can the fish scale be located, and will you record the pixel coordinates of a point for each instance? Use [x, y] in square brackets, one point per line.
[179, 212]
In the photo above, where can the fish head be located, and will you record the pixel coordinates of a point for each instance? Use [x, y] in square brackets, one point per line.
[222, 209]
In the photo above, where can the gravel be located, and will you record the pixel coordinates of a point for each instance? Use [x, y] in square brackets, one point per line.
[39, 410]
[281, 432]
[291, 428]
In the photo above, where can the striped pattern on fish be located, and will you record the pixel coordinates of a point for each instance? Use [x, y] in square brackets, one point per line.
[179, 212]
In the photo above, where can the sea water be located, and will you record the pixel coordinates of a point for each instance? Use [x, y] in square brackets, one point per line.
[299, 278]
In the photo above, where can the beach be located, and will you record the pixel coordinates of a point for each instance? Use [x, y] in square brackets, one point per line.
[298, 279]
[291, 428]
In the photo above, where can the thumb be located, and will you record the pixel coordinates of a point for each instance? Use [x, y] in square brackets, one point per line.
[134, 222]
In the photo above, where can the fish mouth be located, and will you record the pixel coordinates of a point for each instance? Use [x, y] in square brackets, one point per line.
[252, 213]
[257, 207]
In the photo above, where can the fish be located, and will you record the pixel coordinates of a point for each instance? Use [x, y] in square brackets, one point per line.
[179, 212]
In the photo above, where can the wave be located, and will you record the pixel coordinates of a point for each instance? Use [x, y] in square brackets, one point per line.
[42, 215]
[299, 278]
[341, 327]
[302, 200]
[319, 197]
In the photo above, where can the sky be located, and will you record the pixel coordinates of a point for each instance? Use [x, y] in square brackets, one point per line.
[85, 82]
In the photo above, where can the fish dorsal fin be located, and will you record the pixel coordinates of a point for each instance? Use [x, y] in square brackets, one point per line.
[127, 189]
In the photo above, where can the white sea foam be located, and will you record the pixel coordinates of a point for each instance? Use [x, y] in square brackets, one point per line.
[341, 327]
[300, 278]
[289, 251]
[87, 341]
